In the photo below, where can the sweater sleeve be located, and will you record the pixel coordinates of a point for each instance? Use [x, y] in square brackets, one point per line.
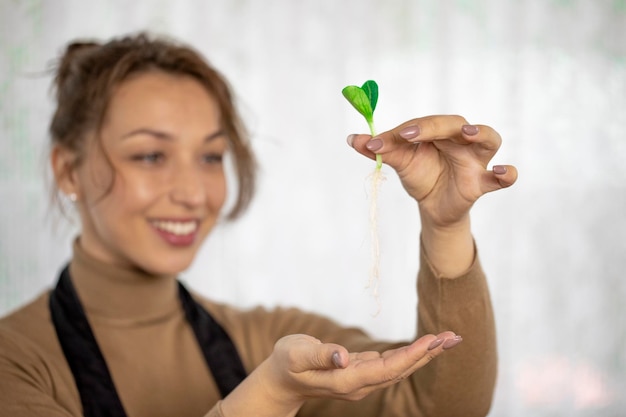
[26, 388]
[458, 383]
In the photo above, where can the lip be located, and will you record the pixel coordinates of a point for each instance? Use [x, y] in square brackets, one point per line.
[160, 226]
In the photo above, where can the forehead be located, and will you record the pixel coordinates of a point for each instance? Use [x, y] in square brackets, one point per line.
[157, 96]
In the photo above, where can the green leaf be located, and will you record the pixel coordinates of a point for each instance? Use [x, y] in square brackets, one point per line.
[371, 90]
[364, 100]
[360, 100]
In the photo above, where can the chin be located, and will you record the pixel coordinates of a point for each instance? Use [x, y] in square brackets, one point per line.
[169, 268]
[174, 269]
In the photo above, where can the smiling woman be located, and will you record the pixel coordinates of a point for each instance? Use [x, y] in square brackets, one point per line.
[138, 139]
[90, 76]
[160, 148]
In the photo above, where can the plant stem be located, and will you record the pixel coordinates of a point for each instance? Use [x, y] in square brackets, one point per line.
[376, 178]
[379, 158]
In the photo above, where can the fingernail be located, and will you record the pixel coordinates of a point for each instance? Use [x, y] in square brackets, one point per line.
[450, 343]
[409, 132]
[337, 359]
[350, 139]
[435, 344]
[499, 169]
[374, 144]
[469, 130]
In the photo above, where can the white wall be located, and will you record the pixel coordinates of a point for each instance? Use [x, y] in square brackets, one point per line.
[550, 76]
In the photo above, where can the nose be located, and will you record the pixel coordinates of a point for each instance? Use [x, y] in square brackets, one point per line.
[188, 187]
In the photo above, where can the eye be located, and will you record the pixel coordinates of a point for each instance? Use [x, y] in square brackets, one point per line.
[149, 158]
[213, 158]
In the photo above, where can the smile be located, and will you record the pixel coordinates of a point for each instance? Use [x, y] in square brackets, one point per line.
[177, 228]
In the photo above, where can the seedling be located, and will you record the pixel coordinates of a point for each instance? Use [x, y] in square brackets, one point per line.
[364, 100]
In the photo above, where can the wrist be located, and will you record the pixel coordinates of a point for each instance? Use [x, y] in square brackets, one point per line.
[449, 248]
[278, 389]
[262, 394]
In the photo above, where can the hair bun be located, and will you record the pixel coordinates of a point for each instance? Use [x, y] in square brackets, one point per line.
[70, 61]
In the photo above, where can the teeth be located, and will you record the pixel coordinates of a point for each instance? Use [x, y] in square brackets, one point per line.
[176, 228]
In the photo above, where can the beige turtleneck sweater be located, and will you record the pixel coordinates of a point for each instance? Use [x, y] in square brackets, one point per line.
[159, 371]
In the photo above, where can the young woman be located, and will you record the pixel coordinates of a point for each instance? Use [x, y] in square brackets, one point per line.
[138, 138]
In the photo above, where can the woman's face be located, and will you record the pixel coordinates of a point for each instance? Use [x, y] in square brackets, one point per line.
[164, 193]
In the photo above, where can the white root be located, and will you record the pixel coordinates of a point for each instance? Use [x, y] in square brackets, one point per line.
[376, 178]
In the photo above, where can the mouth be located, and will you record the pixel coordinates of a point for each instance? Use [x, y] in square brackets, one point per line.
[177, 232]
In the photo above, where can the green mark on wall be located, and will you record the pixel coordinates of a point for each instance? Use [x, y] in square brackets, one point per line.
[473, 7]
[565, 3]
[19, 159]
[33, 10]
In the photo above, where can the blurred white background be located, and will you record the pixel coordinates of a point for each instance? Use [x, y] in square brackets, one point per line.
[549, 75]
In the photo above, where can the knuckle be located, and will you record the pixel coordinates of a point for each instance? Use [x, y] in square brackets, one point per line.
[291, 358]
[445, 123]
[456, 119]
[433, 123]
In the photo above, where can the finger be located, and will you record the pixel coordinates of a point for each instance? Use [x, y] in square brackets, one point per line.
[358, 142]
[505, 174]
[396, 364]
[399, 145]
[426, 348]
[364, 356]
[386, 145]
[501, 176]
[430, 128]
[487, 137]
[443, 342]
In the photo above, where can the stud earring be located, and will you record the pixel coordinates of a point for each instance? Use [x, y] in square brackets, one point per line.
[72, 197]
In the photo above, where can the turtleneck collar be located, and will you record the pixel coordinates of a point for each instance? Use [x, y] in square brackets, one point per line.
[121, 295]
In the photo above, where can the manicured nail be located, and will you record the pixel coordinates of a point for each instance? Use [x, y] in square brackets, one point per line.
[337, 360]
[499, 169]
[409, 132]
[350, 139]
[435, 344]
[469, 130]
[450, 343]
[374, 144]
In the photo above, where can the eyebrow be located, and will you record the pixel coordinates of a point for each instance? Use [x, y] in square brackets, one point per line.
[167, 136]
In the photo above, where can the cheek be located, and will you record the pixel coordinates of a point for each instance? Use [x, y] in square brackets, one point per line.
[137, 192]
[115, 193]
[217, 191]
[142, 187]
[96, 180]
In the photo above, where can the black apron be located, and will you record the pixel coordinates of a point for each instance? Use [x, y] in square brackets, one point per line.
[93, 379]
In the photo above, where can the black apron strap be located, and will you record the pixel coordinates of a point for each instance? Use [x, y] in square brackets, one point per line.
[96, 388]
[219, 351]
[93, 379]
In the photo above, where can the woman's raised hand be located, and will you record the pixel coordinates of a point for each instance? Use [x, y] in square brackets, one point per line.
[442, 163]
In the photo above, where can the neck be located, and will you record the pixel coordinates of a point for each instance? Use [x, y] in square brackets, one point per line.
[114, 292]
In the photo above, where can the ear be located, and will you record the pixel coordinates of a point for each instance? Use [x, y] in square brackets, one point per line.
[64, 165]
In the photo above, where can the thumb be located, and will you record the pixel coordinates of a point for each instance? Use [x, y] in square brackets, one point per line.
[328, 356]
[305, 353]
